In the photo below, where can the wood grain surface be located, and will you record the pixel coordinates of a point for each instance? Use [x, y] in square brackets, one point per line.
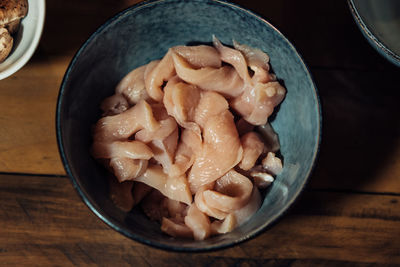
[348, 215]
[43, 220]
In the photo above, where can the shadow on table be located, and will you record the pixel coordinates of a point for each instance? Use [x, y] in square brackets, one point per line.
[69, 23]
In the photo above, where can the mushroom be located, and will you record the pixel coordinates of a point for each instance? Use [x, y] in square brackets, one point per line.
[6, 43]
[11, 13]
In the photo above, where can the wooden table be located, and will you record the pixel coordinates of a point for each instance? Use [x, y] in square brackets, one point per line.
[348, 215]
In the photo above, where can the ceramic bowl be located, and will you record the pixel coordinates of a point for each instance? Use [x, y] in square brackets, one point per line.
[26, 39]
[379, 22]
[144, 32]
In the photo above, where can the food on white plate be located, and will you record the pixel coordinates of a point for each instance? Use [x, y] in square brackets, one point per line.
[6, 44]
[187, 138]
[11, 13]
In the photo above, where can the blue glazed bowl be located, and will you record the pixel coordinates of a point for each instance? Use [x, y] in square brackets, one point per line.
[379, 22]
[144, 32]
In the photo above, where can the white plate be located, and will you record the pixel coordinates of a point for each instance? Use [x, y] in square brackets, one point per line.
[26, 40]
[379, 21]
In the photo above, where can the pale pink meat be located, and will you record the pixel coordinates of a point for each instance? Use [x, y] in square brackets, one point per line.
[270, 137]
[176, 188]
[244, 126]
[127, 169]
[176, 210]
[220, 152]
[167, 127]
[224, 80]
[261, 178]
[257, 60]
[121, 149]
[210, 104]
[199, 56]
[225, 226]
[169, 137]
[189, 143]
[205, 208]
[132, 86]
[174, 224]
[272, 163]
[198, 222]
[175, 228]
[181, 100]
[164, 150]
[123, 125]
[257, 103]
[152, 206]
[159, 111]
[244, 214]
[155, 78]
[114, 105]
[121, 194]
[231, 192]
[233, 57]
[253, 147]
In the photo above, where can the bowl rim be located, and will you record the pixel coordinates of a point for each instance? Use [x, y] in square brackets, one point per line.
[113, 223]
[26, 56]
[372, 39]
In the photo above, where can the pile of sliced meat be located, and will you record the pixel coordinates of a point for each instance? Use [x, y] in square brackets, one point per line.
[179, 135]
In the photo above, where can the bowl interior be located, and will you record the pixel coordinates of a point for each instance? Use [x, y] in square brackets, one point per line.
[379, 21]
[26, 39]
[142, 33]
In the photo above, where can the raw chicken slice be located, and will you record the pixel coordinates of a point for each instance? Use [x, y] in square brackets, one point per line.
[167, 127]
[121, 149]
[152, 206]
[164, 150]
[176, 188]
[155, 78]
[189, 143]
[198, 222]
[244, 214]
[210, 104]
[253, 147]
[114, 105]
[261, 178]
[272, 164]
[159, 111]
[270, 137]
[180, 100]
[175, 228]
[121, 194]
[225, 226]
[169, 136]
[235, 58]
[127, 169]
[257, 103]
[122, 126]
[204, 207]
[150, 67]
[244, 127]
[199, 56]
[224, 80]
[140, 191]
[132, 86]
[176, 210]
[231, 192]
[257, 60]
[220, 152]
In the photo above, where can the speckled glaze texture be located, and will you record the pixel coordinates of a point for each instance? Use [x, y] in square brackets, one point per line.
[145, 32]
[379, 22]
